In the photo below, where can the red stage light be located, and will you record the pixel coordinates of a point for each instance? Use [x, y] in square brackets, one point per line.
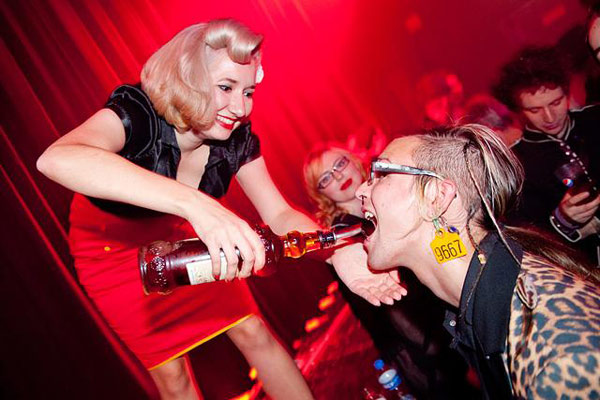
[413, 23]
[326, 302]
[296, 344]
[253, 373]
[314, 323]
[554, 15]
[333, 287]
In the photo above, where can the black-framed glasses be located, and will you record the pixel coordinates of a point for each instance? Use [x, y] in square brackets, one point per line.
[380, 168]
[328, 176]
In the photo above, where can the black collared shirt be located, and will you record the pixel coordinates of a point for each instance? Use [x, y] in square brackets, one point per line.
[543, 156]
[150, 142]
[480, 327]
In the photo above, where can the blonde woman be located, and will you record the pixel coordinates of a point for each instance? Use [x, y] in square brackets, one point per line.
[149, 165]
[331, 176]
[523, 313]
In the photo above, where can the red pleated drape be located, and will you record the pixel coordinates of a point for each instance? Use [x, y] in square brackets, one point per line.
[334, 70]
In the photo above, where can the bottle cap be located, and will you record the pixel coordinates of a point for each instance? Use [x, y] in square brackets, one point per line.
[378, 364]
[390, 379]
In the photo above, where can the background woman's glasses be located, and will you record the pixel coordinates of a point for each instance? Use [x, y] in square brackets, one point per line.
[334, 173]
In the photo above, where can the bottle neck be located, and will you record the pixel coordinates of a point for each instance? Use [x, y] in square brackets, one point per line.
[297, 244]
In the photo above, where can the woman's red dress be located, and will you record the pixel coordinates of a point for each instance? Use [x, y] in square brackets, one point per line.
[105, 237]
[156, 328]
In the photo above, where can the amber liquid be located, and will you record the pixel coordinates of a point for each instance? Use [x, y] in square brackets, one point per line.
[296, 244]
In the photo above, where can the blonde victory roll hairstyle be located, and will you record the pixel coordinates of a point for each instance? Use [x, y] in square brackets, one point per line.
[489, 179]
[176, 77]
[313, 168]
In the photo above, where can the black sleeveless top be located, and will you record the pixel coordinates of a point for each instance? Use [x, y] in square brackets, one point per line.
[150, 143]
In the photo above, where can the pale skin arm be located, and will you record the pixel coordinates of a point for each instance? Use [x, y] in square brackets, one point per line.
[351, 265]
[84, 161]
[274, 210]
[350, 261]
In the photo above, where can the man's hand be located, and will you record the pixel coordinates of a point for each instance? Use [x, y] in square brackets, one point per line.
[591, 228]
[350, 263]
[571, 208]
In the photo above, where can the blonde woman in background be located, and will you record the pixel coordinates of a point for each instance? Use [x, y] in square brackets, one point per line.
[331, 177]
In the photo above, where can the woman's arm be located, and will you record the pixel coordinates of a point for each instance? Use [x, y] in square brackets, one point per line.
[84, 161]
[274, 210]
[350, 261]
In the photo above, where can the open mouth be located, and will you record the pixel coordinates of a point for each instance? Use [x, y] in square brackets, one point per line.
[369, 228]
[225, 122]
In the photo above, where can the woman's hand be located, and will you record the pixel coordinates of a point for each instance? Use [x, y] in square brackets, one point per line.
[222, 230]
[350, 263]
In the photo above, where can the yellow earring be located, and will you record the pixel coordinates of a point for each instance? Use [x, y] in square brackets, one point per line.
[446, 245]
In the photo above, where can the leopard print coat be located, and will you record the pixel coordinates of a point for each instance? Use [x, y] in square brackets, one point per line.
[553, 343]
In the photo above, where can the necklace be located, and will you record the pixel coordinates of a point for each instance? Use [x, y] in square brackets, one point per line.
[482, 260]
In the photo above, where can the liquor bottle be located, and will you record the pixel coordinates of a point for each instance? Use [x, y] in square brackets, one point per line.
[167, 265]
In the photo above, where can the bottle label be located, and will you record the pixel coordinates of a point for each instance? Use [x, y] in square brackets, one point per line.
[201, 271]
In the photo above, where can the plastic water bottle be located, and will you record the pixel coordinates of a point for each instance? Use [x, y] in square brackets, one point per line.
[391, 381]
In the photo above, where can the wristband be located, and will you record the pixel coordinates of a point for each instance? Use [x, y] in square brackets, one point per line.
[564, 227]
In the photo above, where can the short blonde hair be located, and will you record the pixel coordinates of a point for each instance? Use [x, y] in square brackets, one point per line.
[176, 76]
[313, 168]
[489, 179]
[473, 155]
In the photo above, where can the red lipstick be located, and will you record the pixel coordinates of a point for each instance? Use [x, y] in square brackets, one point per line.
[346, 184]
[224, 122]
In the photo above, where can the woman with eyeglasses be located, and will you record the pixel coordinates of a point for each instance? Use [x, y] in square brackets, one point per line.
[331, 176]
[522, 310]
[401, 332]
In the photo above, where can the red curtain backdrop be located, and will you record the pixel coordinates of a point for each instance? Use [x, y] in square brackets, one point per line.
[333, 69]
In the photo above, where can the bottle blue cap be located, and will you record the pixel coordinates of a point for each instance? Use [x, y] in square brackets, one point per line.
[379, 364]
